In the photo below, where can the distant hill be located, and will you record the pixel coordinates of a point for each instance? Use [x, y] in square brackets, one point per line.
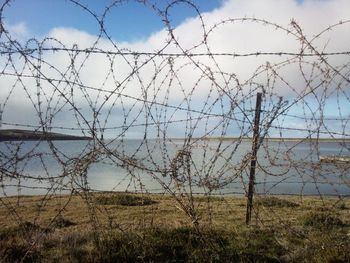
[26, 135]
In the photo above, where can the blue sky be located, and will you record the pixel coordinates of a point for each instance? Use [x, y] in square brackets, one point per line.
[129, 20]
[134, 26]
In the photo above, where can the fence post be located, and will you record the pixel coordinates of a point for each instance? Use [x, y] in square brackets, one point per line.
[0, 115]
[253, 158]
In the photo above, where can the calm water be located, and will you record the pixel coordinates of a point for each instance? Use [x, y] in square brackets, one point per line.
[284, 168]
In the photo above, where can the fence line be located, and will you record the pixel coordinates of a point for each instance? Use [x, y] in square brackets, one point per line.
[177, 121]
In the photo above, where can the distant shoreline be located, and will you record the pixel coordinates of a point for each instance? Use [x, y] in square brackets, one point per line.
[26, 135]
[275, 139]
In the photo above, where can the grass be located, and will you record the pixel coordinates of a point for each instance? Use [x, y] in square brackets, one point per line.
[272, 201]
[322, 220]
[61, 222]
[184, 244]
[209, 198]
[129, 227]
[124, 199]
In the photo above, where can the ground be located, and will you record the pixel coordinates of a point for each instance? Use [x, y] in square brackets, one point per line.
[125, 227]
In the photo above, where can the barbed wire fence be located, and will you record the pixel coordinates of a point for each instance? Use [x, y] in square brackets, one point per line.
[177, 120]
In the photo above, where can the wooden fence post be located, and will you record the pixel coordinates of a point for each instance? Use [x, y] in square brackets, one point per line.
[253, 158]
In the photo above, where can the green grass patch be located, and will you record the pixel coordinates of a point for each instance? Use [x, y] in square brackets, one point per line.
[341, 206]
[161, 245]
[18, 250]
[61, 222]
[186, 244]
[209, 199]
[262, 243]
[182, 244]
[321, 220]
[124, 199]
[323, 247]
[272, 201]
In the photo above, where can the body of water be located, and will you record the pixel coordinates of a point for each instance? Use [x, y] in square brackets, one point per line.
[154, 166]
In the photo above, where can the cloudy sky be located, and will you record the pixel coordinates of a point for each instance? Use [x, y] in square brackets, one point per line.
[134, 95]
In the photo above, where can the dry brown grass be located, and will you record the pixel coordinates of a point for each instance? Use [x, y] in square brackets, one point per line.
[67, 226]
[227, 213]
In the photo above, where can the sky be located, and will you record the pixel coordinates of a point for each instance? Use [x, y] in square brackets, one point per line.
[184, 83]
[123, 21]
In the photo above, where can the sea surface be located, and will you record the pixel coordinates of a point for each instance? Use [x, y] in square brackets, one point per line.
[181, 166]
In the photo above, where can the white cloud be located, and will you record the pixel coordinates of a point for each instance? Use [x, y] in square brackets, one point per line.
[18, 31]
[174, 83]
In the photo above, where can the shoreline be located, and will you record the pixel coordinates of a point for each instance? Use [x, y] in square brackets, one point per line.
[195, 195]
[27, 135]
[274, 139]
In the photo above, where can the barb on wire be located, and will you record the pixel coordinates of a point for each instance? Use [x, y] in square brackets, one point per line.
[175, 120]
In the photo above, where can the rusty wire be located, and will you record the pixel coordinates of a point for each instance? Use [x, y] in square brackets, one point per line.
[150, 121]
